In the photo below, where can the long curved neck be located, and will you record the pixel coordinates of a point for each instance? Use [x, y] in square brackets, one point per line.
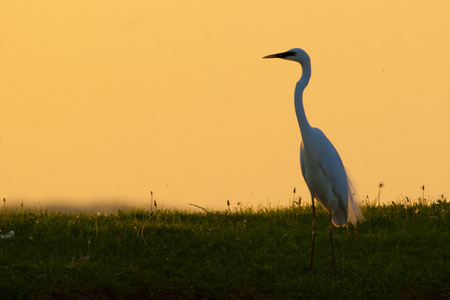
[298, 98]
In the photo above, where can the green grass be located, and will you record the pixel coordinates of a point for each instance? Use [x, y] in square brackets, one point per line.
[396, 253]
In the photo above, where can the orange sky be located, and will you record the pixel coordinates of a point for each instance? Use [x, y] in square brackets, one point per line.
[109, 101]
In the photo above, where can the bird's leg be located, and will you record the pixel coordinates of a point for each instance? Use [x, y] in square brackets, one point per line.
[332, 244]
[313, 234]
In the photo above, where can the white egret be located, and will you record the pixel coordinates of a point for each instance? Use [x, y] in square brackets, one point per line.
[321, 165]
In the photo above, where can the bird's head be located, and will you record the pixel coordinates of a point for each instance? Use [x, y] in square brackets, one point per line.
[296, 54]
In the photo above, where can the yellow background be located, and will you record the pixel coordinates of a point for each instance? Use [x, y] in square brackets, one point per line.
[104, 101]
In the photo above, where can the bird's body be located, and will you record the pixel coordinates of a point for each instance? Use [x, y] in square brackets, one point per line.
[321, 165]
[327, 184]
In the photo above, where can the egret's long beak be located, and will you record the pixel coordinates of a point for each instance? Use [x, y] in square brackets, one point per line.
[280, 55]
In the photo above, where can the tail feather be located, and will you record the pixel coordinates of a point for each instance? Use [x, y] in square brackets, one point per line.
[354, 212]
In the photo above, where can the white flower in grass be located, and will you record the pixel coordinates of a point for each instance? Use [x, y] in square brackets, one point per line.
[7, 236]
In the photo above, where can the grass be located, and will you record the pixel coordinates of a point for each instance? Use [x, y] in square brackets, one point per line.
[399, 252]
